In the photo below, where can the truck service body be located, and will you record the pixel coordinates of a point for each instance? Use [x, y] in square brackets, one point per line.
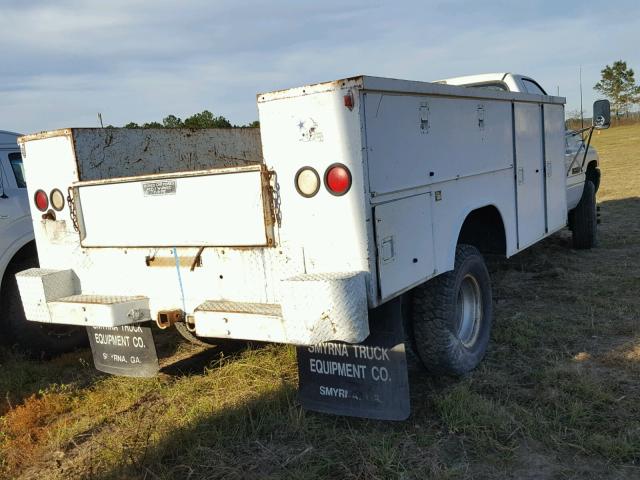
[578, 168]
[352, 193]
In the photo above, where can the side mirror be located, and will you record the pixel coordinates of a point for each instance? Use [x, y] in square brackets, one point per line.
[601, 114]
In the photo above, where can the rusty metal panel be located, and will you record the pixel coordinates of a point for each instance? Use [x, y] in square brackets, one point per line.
[103, 153]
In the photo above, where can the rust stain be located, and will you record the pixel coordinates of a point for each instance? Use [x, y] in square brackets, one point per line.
[269, 210]
[160, 176]
[184, 261]
[63, 132]
[197, 260]
[311, 88]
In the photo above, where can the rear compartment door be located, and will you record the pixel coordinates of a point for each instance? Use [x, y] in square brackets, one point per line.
[221, 207]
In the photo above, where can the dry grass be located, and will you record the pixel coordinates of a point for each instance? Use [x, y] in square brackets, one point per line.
[558, 395]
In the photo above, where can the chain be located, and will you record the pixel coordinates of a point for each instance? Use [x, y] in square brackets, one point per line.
[72, 210]
[274, 186]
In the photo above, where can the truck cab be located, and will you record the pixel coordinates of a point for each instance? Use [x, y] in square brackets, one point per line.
[577, 170]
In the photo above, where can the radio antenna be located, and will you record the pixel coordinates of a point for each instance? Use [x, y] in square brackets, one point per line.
[581, 111]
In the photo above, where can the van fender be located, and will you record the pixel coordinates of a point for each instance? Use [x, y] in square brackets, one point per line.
[9, 254]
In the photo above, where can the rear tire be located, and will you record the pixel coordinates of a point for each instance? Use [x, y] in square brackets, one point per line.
[584, 219]
[452, 315]
[36, 339]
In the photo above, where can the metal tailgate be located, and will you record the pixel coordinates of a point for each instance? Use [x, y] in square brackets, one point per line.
[220, 207]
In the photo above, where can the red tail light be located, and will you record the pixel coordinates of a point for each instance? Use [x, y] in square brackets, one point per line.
[41, 200]
[337, 179]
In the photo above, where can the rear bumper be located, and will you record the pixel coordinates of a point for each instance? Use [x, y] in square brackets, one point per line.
[314, 308]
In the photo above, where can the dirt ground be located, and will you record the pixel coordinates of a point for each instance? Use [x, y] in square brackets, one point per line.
[558, 395]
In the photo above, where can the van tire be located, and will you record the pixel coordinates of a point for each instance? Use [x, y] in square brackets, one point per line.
[452, 315]
[35, 339]
[584, 219]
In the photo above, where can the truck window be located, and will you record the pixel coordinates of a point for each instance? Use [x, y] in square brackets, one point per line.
[15, 159]
[494, 86]
[532, 87]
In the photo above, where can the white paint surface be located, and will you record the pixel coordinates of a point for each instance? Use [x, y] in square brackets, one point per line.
[209, 209]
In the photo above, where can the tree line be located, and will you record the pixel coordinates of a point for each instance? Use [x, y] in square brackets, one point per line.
[204, 119]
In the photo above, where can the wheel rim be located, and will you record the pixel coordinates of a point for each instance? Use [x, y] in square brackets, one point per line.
[468, 311]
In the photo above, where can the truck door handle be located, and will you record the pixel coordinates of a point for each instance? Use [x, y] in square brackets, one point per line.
[520, 176]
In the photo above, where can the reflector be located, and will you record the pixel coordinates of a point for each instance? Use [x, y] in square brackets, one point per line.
[307, 182]
[41, 200]
[57, 199]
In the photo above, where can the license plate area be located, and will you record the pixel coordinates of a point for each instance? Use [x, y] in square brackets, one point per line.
[128, 350]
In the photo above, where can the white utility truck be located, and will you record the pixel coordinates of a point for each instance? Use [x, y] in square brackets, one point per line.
[356, 218]
[17, 252]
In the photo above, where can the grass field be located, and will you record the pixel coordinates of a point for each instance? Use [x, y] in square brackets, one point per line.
[558, 395]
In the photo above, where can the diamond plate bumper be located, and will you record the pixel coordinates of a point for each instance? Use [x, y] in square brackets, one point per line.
[314, 308]
[52, 296]
[322, 307]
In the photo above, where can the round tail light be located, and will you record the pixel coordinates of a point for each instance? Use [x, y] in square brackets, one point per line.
[307, 182]
[41, 200]
[57, 199]
[337, 179]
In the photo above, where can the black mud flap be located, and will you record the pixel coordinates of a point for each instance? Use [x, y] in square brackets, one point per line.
[128, 350]
[368, 379]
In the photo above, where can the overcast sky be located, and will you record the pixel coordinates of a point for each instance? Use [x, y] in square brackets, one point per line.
[140, 60]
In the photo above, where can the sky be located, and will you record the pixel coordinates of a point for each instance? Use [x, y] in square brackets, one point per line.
[139, 60]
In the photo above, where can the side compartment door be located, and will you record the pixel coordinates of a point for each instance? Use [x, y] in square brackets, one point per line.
[404, 241]
[529, 163]
[555, 170]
